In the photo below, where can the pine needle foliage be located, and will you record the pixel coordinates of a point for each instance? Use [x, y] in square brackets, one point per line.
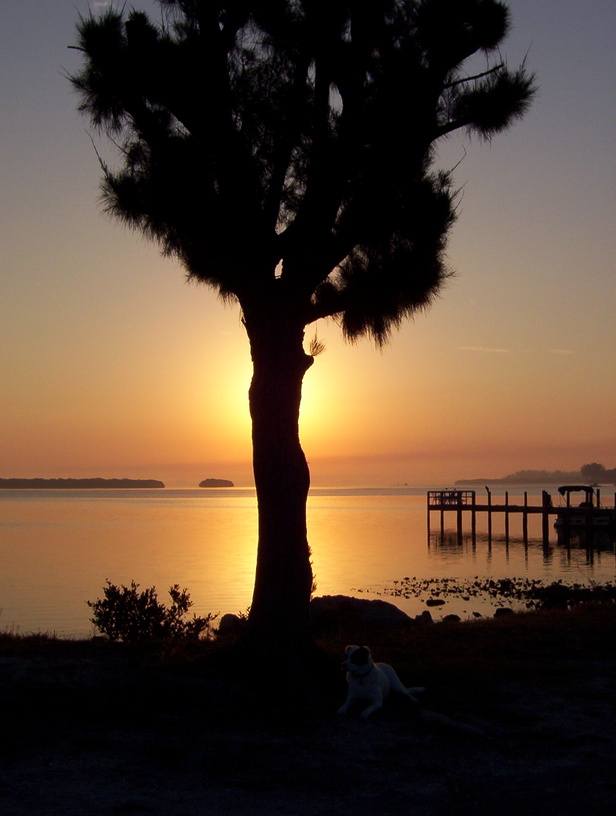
[286, 148]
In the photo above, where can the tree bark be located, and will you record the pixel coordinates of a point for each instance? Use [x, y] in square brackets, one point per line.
[278, 618]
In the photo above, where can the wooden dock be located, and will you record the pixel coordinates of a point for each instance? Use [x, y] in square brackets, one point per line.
[587, 519]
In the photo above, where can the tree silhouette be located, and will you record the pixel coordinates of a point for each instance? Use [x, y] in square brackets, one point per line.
[594, 472]
[284, 151]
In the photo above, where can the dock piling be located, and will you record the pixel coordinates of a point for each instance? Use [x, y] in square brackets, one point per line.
[585, 520]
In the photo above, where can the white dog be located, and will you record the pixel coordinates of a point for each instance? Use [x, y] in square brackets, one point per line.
[370, 683]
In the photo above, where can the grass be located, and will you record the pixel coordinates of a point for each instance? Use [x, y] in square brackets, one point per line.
[507, 645]
[570, 623]
[12, 641]
[503, 644]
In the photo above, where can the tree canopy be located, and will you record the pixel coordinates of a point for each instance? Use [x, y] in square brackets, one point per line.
[290, 143]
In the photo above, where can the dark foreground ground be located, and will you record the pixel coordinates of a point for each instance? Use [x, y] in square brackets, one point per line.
[518, 718]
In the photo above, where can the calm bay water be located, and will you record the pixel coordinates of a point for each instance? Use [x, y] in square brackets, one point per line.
[57, 548]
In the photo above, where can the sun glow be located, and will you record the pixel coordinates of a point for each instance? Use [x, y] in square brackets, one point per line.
[229, 404]
[326, 423]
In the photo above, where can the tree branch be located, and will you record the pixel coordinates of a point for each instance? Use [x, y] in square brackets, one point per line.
[231, 161]
[311, 209]
[286, 142]
[456, 124]
[473, 78]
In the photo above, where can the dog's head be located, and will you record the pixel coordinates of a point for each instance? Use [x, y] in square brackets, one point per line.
[358, 660]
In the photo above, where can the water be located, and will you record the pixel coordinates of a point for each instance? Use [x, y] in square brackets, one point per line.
[57, 548]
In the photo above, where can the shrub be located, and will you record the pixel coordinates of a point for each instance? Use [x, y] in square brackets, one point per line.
[127, 615]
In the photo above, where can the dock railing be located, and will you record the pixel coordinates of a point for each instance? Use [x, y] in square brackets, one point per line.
[450, 498]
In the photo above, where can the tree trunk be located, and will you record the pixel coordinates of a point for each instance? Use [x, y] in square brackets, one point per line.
[278, 618]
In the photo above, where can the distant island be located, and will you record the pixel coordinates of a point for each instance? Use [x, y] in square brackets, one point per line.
[593, 473]
[76, 484]
[216, 483]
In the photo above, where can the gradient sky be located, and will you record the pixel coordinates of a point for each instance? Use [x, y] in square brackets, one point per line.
[112, 365]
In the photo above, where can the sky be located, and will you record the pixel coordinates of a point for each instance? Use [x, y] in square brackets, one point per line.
[113, 365]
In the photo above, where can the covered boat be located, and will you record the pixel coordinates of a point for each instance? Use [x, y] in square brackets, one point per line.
[587, 514]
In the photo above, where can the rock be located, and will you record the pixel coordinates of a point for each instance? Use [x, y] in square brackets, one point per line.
[231, 625]
[435, 602]
[502, 610]
[452, 618]
[331, 611]
[425, 617]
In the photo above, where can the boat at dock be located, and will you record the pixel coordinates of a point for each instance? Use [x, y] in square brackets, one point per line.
[588, 513]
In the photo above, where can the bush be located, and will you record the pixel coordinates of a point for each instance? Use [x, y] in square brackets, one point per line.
[127, 615]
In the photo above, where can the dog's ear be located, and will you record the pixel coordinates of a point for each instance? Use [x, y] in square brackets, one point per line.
[350, 649]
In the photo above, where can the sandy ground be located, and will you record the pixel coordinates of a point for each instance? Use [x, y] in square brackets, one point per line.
[86, 732]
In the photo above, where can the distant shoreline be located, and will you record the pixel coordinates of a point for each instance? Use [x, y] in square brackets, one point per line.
[77, 484]
[530, 482]
[591, 474]
[512, 481]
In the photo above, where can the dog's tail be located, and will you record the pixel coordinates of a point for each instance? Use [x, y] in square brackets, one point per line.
[414, 692]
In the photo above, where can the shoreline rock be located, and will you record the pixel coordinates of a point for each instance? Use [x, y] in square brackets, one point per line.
[331, 611]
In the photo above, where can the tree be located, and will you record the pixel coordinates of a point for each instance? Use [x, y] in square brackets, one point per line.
[594, 472]
[284, 151]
